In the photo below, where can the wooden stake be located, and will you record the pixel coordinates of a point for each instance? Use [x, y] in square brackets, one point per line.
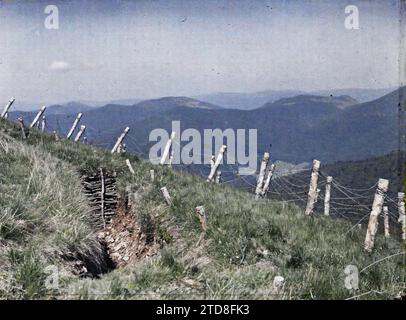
[4, 114]
[152, 174]
[168, 145]
[130, 167]
[43, 124]
[311, 198]
[260, 181]
[56, 136]
[268, 179]
[23, 131]
[327, 196]
[166, 195]
[201, 213]
[401, 206]
[38, 116]
[102, 197]
[213, 170]
[376, 211]
[218, 177]
[386, 221]
[81, 131]
[74, 125]
[120, 139]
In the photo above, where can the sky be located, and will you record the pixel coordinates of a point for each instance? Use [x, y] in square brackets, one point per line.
[105, 50]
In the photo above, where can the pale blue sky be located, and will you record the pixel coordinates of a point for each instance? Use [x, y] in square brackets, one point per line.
[107, 50]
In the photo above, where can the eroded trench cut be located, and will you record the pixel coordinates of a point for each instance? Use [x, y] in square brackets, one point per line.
[115, 217]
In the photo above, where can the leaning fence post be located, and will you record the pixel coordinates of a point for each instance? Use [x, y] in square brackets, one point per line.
[168, 145]
[166, 195]
[74, 125]
[22, 126]
[375, 212]
[201, 213]
[4, 114]
[386, 221]
[81, 131]
[120, 139]
[311, 198]
[268, 179]
[327, 196]
[130, 167]
[38, 116]
[401, 206]
[261, 175]
[213, 170]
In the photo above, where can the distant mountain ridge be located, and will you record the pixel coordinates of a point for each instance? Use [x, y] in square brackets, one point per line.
[299, 129]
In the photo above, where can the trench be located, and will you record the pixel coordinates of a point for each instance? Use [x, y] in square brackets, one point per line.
[119, 233]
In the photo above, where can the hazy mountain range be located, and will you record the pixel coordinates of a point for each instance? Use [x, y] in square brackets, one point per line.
[299, 128]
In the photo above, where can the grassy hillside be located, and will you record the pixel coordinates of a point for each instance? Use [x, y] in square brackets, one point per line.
[46, 220]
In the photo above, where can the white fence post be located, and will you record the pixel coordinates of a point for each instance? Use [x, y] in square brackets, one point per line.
[168, 146]
[401, 206]
[43, 124]
[81, 131]
[327, 196]
[213, 170]
[386, 221]
[74, 125]
[268, 179]
[166, 195]
[260, 181]
[312, 195]
[4, 114]
[120, 139]
[375, 212]
[152, 174]
[38, 116]
[130, 167]
[218, 177]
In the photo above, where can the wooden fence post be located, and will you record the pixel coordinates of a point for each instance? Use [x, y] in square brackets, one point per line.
[213, 170]
[375, 212]
[218, 177]
[130, 167]
[4, 114]
[260, 181]
[386, 221]
[166, 195]
[56, 136]
[38, 116]
[168, 146]
[81, 131]
[311, 198]
[74, 125]
[43, 124]
[201, 213]
[102, 192]
[22, 126]
[120, 139]
[401, 206]
[327, 196]
[268, 179]
[404, 227]
[152, 174]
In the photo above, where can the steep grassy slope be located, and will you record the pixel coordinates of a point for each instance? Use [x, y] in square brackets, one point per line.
[247, 243]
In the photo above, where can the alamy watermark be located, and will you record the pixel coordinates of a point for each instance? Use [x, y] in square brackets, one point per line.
[241, 146]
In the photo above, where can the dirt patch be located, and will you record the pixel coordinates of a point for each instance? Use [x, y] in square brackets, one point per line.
[125, 242]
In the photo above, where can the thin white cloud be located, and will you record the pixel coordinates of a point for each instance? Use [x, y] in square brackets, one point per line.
[59, 66]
